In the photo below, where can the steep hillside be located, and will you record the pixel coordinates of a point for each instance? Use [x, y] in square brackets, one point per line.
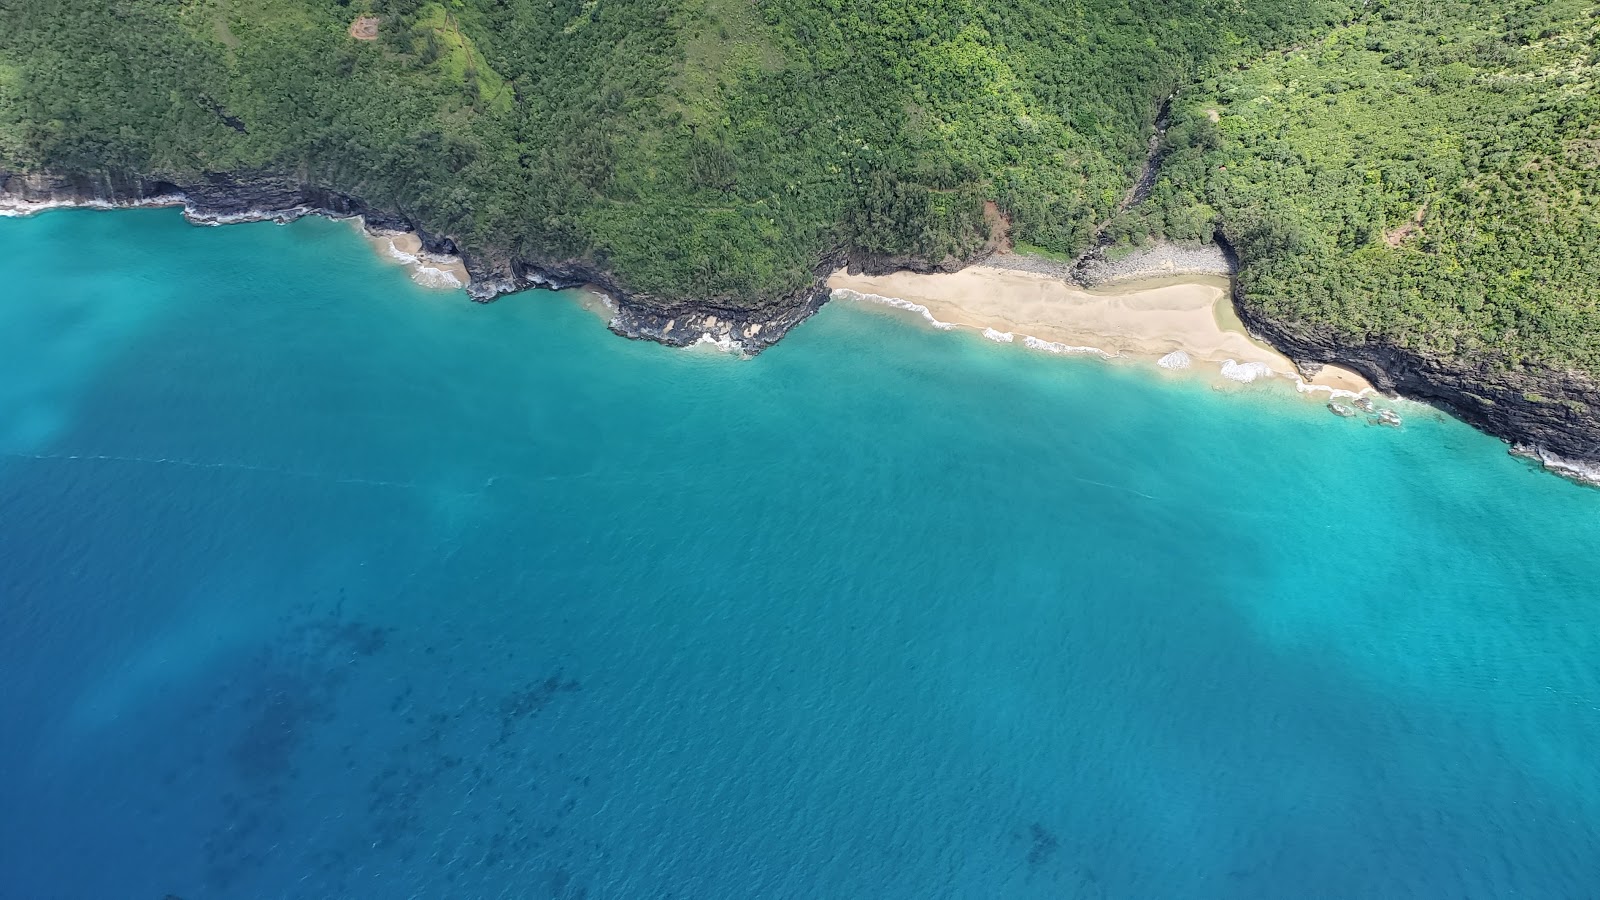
[1418, 192]
[1410, 185]
[700, 148]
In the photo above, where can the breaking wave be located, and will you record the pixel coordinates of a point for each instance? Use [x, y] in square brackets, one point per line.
[427, 276]
[400, 256]
[1177, 359]
[1033, 343]
[1245, 372]
[896, 302]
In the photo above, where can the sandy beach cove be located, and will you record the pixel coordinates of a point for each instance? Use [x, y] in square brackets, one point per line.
[1178, 322]
[427, 269]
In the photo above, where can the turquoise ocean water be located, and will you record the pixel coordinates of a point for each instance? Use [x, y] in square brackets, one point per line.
[317, 584]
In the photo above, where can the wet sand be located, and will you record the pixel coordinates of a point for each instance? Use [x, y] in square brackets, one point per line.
[1176, 323]
[434, 270]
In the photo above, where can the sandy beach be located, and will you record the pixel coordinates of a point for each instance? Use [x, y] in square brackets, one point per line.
[432, 270]
[1183, 322]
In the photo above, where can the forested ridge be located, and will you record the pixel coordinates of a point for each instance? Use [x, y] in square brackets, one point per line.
[1428, 176]
[693, 147]
[1416, 171]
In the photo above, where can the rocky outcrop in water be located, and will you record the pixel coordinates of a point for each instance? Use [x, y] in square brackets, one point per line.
[225, 199]
[678, 323]
[1549, 416]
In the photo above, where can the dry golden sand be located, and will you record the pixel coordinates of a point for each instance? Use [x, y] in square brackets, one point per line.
[433, 270]
[1139, 321]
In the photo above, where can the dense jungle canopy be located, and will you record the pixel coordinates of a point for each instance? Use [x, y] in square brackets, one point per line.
[1424, 171]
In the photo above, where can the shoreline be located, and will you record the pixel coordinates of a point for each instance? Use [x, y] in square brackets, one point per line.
[11, 208]
[225, 199]
[1174, 323]
[1499, 405]
[440, 271]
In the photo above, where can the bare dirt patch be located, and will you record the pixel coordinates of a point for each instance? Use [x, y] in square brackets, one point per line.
[1583, 153]
[364, 28]
[999, 227]
[1396, 236]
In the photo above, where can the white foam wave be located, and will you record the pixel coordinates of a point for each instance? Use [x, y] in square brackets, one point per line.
[999, 337]
[279, 216]
[722, 342]
[1177, 359]
[1306, 387]
[16, 209]
[896, 302]
[1033, 343]
[1245, 372]
[427, 276]
[1584, 472]
[400, 256]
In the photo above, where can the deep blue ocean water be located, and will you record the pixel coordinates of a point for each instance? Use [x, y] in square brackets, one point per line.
[314, 583]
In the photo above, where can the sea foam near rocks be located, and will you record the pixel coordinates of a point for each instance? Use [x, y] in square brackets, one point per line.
[428, 276]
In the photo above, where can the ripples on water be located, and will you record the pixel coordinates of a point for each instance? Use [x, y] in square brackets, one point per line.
[316, 584]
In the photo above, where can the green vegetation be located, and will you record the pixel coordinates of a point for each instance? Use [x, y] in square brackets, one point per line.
[1421, 172]
[694, 147]
[1428, 177]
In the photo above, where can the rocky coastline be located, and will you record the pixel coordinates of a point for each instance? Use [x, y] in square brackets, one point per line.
[226, 199]
[1546, 416]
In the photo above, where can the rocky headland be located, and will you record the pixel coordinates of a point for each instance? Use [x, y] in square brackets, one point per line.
[226, 199]
[1547, 416]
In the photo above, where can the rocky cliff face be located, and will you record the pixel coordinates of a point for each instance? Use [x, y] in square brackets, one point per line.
[217, 199]
[223, 199]
[1550, 416]
[675, 322]
[1547, 415]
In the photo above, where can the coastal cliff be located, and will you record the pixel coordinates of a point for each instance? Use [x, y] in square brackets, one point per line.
[1546, 415]
[227, 199]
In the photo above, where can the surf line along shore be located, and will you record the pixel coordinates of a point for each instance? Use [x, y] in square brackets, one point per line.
[432, 270]
[1176, 322]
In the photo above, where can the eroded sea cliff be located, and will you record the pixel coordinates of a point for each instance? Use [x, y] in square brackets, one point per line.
[1546, 415]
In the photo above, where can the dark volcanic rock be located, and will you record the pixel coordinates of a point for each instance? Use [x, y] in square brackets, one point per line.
[224, 199]
[1548, 415]
[675, 322]
[214, 200]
